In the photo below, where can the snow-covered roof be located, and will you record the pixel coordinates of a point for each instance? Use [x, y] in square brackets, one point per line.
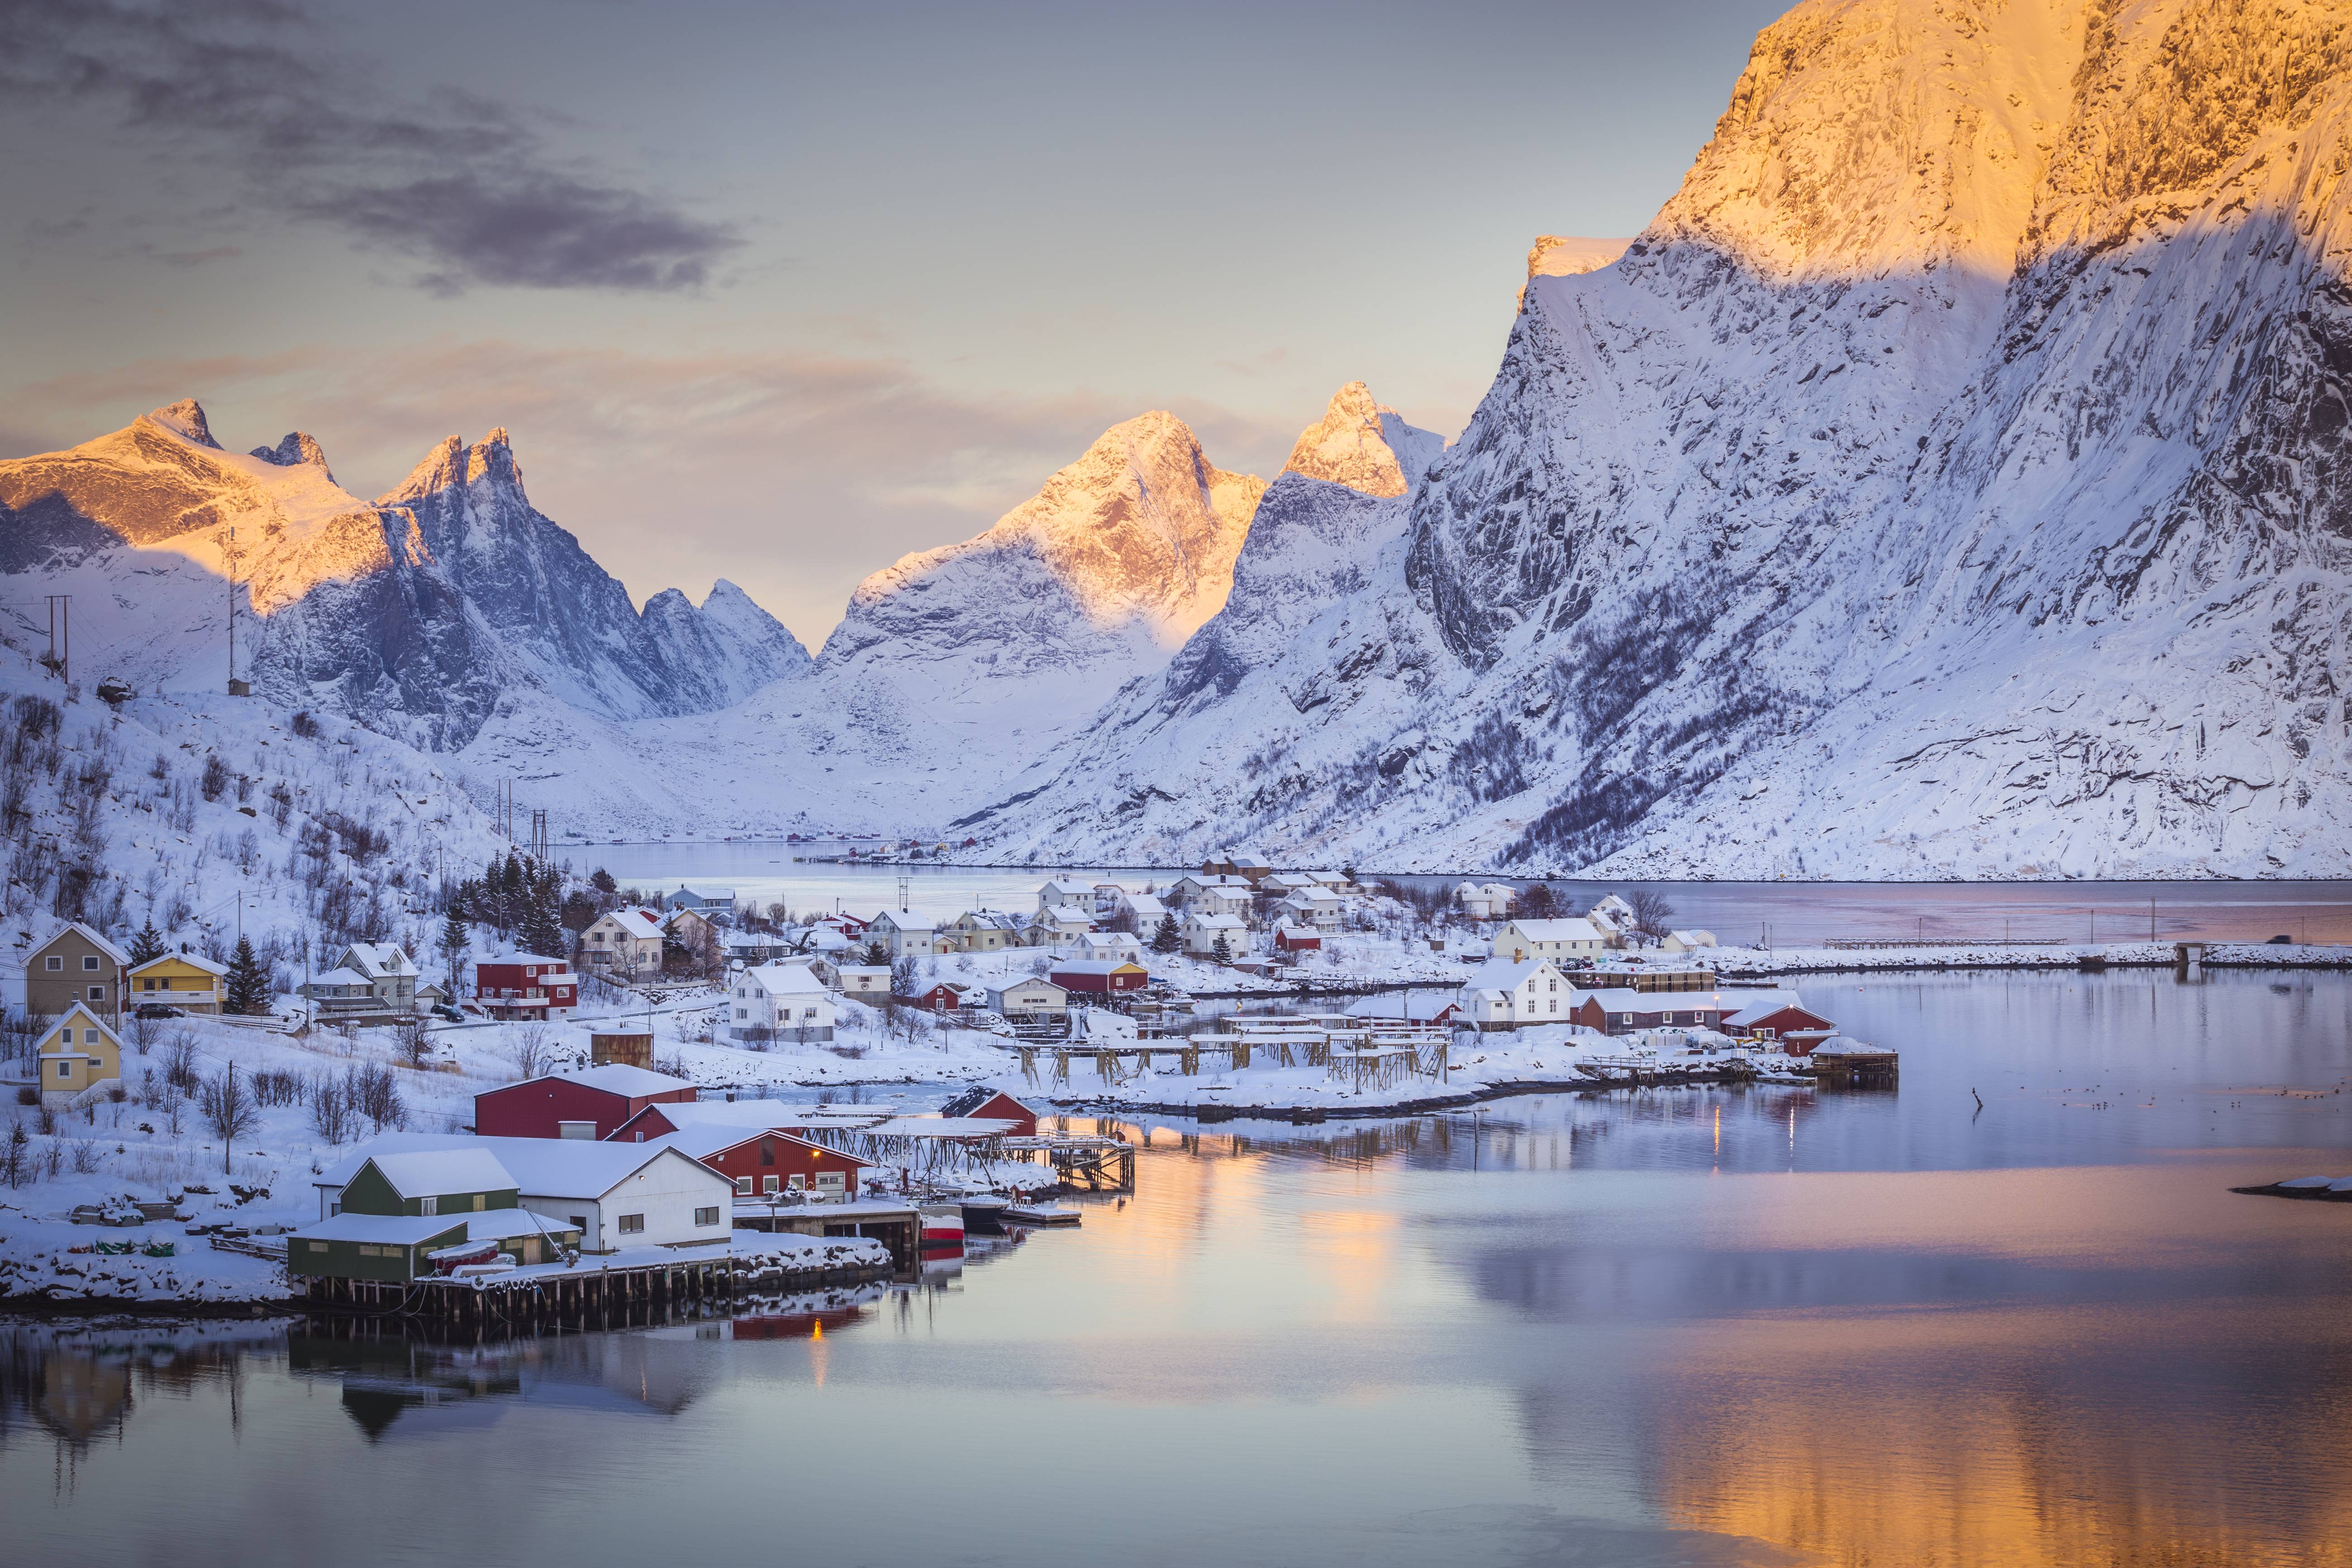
[941, 1127]
[992, 919]
[1573, 930]
[1412, 1006]
[193, 960]
[1694, 938]
[1219, 879]
[709, 892]
[528, 958]
[787, 979]
[1755, 1005]
[973, 1098]
[1058, 888]
[376, 1229]
[377, 958]
[341, 977]
[703, 1140]
[576, 1167]
[88, 935]
[428, 1173]
[1095, 965]
[1026, 980]
[1146, 906]
[1065, 914]
[618, 1077]
[637, 923]
[912, 920]
[1215, 923]
[1844, 1046]
[742, 1113]
[1611, 904]
[1502, 975]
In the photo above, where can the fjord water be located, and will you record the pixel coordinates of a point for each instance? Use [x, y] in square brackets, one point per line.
[1761, 1326]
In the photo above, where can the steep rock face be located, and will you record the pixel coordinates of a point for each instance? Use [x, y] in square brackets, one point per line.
[1948, 482]
[419, 615]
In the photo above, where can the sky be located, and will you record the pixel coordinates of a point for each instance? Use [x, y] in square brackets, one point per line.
[779, 293]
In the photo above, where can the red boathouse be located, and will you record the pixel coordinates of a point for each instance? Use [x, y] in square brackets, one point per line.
[590, 1104]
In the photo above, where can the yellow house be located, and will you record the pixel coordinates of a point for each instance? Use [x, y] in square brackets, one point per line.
[187, 981]
[78, 1053]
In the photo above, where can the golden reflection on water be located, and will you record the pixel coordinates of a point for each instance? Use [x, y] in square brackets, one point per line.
[2108, 1430]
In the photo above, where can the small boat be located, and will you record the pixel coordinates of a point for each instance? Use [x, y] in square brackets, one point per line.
[1038, 1213]
[942, 1223]
[984, 1213]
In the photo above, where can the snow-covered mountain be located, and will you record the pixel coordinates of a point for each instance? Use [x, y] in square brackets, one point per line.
[1948, 482]
[419, 615]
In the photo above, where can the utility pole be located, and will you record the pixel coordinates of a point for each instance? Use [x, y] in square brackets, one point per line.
[60, 660]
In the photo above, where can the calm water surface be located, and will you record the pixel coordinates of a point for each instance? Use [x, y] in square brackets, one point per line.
[1784, 914]
[1670, 1327]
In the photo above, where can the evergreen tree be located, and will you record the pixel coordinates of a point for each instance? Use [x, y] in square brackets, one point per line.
[1224, 952]
[539, 923]
[454, 940]
[148, 944]
[248, 982]
[876, 955]
[1167, 939]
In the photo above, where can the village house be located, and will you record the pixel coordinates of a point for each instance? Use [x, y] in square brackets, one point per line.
[1141, 912]
[1202, 933]
[1058, 892]
[1098, 976]
[1338, 881]
[389, 1218]
[906, 933]
[75, 965]
[699, 934]
[867, 982]
[1778, 1015]
[1028, 998]
[339, 996]
[1245, 864]
[524, 985]
[979, 1100]
[1320, 907]
[1107, 897]
[188, 981]
[1213, 895]
[77, 1055]
[1056, 926]
[770, 1162]
[742, 1115]
[625, 944]
[391, 974]
[579, 1105]
[612, 1195]
[1560, 939]
[703, 895]
[1483, 901]
[1506, 994]
[781, 1002]
[1110, 944]
[748, 947]
[1687, 941]
[1616, 1010]
[981, 930]
[1296, 938]
[947, 996]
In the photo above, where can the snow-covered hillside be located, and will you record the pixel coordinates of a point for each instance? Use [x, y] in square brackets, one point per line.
[1948, 482]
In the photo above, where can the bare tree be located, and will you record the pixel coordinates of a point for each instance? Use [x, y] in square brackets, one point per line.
[1651, 911]
[529, 1049]
[412, 1040]
[228, 1110]
[331, 1108]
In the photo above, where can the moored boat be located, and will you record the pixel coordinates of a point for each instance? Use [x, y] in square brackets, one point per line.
[1039, 1214]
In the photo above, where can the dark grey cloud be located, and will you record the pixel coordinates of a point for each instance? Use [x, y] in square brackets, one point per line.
[466, 187]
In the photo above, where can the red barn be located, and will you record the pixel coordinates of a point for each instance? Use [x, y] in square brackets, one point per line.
[994, 1105]
[1296, 938]
[590, 1104]
[1098, 976]
[944, 997]
[772, 1163]
[526, 985]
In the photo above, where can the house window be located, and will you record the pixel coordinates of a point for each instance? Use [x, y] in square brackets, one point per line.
[1625, 1017]
[428, 1206]
[57, 962]
[146, 985]
[633, 1224]
[316, 1246]
[706, 1216]
[739, 1014]
[98, 992]
[744, 1185]
[768, 1185]
[90, 962]
[65, 1069]
[65, 1037]
[368, 1251]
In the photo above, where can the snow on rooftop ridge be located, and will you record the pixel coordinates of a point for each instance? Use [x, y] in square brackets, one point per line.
[185, 419]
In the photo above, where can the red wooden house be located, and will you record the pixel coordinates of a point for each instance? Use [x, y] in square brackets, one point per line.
[945, 996]
[772, 1163]
[1296, 938]
[995, 1105]
[590, 1104]
[526, 985]
[1098, 976]
[1779, 1018]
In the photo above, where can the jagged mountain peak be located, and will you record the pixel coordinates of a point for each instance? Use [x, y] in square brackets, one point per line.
[1363, 445]
[185, 419]
[453, 464]
[297, 447]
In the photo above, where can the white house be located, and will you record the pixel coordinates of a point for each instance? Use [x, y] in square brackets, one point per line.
[1483, 901]
[1107, 897]
[1314, 906]
[1058, 892]
[1572, 938]
[781, 1002]
[1200, 933]
[1143, 910]
[867, 982]
[625, 944]
[906, 933]
[615, 1194]
[1687, 941]
[1213, 895]
[1110, 944]
[1513, 993]
[1056, 926]
[1032, 997]
[981, 931]
[703, 895]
